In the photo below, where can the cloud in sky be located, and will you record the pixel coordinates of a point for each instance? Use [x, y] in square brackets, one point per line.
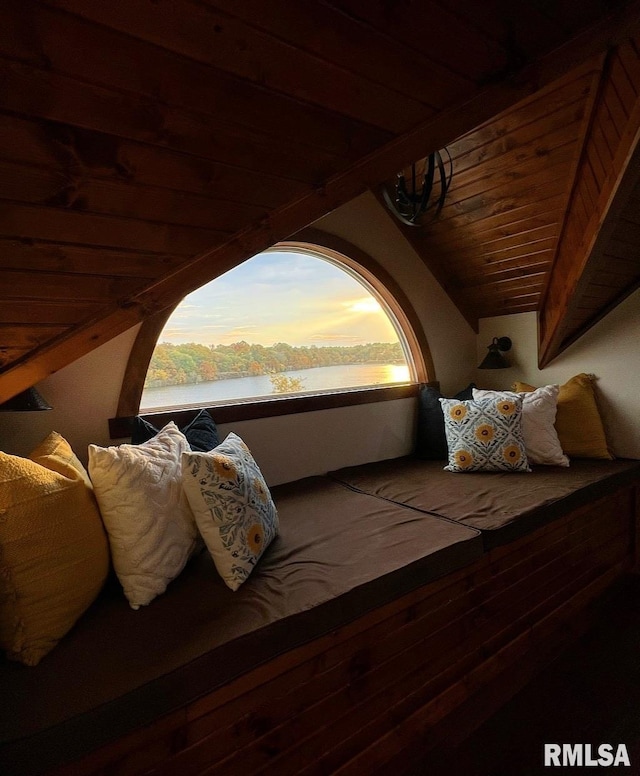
[280, 297]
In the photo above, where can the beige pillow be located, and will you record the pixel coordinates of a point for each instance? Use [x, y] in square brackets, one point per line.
[578, 422]
[54, 555]
[152, 531]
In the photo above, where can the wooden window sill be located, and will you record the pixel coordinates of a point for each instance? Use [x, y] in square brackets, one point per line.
[251, 409]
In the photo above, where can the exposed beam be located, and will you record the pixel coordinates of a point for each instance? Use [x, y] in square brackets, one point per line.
[566, 288]
[582, 245]
[587, 120]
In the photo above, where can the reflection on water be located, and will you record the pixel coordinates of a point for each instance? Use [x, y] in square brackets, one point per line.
[317, 379]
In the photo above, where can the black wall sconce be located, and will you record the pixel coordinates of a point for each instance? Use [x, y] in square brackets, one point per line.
[27, 401]
[494, 358]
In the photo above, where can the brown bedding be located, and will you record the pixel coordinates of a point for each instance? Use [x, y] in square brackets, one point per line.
[503, 506]
[340, 553]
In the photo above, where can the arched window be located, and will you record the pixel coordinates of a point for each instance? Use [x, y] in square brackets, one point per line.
[290, 320]
[297, 321]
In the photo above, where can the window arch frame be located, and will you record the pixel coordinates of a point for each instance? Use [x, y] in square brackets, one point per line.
[344, 255]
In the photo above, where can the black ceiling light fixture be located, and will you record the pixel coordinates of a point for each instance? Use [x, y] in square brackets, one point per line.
[421, 189]
[494, 358]
[27, 401]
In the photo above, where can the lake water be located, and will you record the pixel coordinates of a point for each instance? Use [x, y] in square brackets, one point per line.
[317, 379]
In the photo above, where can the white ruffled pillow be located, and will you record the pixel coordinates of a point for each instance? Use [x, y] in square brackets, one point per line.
[152, 531]
[538, 423]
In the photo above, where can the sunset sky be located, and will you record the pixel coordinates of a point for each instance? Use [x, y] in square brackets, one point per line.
[280, 297]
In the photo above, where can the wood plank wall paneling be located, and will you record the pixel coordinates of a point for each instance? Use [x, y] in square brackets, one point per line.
[57, 286]
[215, 39]
[63, 313]
[163, 83]
[398, 60]
[84, 193]
[493, 244]
[31, 255]
[526, 27]
[42, 140]
[385, 685]
[52, 224]
[582, 287]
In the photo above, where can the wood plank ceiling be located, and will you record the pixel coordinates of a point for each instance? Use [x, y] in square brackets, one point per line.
[148, 145]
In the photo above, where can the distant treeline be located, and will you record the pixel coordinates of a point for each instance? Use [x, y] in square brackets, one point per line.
[195, 363]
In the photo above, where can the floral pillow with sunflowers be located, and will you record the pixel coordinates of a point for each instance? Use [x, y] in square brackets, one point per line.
[232, 505]
[485, 435]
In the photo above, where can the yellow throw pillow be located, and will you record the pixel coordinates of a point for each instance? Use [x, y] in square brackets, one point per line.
[54, 555]
[578, 420]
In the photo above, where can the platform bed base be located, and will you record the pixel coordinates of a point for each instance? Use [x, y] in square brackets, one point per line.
[369, 696]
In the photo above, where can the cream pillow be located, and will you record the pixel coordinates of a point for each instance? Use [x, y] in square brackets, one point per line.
[232, 505]
[538, 423]
[54, 555]
[151, 529]
[578, 422]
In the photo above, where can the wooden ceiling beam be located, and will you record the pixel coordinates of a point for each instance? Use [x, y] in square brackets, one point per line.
[591, 221]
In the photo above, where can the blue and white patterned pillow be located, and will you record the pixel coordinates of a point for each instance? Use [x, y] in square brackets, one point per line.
[485, 435]
[232, 505]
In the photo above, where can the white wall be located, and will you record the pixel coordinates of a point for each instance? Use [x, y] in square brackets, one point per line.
[610, 350]
[369, 226]
[84, 395]
[294, 446]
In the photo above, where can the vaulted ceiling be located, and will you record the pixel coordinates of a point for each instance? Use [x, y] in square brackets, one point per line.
[146, 146]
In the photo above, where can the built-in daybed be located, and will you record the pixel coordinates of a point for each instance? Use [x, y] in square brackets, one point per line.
[400, 604]
[504, 506]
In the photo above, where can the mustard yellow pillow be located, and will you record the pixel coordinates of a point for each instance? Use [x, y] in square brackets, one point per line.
[578, 420]
[54, 555]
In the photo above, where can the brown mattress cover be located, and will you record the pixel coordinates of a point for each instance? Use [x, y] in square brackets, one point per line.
[503, 506]
[339, 554]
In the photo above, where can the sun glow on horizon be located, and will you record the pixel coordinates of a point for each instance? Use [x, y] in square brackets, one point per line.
[366, 305]
[275, 297]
